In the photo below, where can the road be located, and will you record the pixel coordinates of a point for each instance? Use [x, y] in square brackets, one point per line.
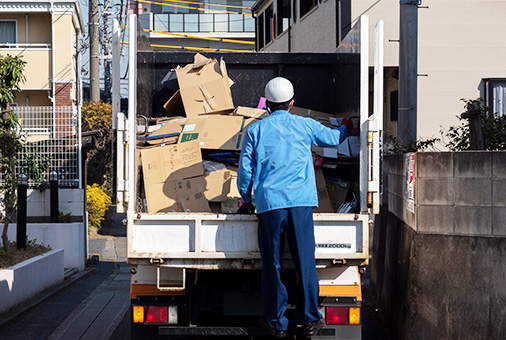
[95, 305]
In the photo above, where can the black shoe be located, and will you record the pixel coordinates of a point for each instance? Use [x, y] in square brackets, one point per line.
[272, 331]
[311, 329]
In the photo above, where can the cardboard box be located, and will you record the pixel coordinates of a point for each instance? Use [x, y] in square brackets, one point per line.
[329, 152]
[250, 112]
[166, 197]
[324, 204]
[232, 204]
[217, 185]
[195, 203]
[168, 133]
[171, 162]
[214, 132]
[319, 116]
[204, 87]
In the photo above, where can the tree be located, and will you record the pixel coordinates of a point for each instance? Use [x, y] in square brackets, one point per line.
[11, 75]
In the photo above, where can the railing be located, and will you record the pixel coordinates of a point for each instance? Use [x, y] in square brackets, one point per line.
[202, 23]
[25, 46]
[51, 143]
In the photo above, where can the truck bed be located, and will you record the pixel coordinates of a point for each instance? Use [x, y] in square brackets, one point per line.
[223, 241]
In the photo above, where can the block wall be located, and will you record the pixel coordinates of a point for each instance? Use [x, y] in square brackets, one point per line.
[446, 258]
[460, 193]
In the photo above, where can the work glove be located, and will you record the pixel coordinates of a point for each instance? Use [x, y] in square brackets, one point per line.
[349, 125]
[246, 208]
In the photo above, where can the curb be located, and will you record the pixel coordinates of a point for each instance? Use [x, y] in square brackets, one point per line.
[23, 308]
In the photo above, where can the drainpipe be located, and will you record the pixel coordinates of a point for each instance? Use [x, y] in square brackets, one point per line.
[53, 66]
[26, 28]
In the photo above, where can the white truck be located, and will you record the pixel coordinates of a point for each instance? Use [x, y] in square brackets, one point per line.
[198, 274]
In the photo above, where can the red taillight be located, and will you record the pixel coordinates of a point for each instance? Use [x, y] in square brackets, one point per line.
[156, 314]
[336, 315]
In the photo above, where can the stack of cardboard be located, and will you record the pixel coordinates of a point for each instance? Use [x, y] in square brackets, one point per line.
[175, 152]
[175, 175]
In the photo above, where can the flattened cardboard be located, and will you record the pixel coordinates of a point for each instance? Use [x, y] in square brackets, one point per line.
[250, 112]
[205, 87]
[329, 152]
[171, 162]
[319, 116]
[166, 133]
[217, 185]
[166, 197]
[214, 132]
[324, 204]
[174, 104]
[195, 203]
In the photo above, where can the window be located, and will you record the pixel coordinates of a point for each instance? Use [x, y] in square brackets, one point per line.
[260, 33]
[283, 15]
[8, 34]
[496, 96]
[305, 6]
[269, 25]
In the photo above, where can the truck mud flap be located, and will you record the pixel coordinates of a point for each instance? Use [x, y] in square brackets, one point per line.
[233, 331]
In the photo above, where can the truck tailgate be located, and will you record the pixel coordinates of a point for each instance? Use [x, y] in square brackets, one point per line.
[203, 240]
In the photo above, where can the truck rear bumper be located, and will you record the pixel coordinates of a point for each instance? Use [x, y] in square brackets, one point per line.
[328, 332]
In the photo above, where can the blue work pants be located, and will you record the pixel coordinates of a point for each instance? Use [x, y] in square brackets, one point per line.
[298, 224]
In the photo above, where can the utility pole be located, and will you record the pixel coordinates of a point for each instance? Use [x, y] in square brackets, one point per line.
[107, 53]
[94, 51]
[408, 71]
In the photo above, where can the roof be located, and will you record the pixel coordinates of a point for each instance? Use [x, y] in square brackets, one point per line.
[257, 5]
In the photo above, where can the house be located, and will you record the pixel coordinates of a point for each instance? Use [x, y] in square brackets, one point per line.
[47, 34]
[206, 25]
[460, 54]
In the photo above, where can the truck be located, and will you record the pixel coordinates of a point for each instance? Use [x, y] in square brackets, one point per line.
[198, 274]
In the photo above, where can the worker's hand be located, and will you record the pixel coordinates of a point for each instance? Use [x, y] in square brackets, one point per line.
[349, 125]
[246, 208]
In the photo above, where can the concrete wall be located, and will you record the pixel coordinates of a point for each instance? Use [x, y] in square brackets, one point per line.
[440, 269]
[71, 237]
[23, 280]
[70, 201]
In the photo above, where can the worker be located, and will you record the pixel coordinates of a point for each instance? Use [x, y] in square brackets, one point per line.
[276, 163]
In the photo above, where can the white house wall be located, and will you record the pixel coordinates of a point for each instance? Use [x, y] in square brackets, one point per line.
[460, 42]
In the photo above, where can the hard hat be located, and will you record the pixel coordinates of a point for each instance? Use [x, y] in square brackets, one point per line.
[279, 90]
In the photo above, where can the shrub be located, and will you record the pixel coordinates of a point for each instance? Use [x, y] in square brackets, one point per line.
[493, 126]
[98, 116]
[98, 201]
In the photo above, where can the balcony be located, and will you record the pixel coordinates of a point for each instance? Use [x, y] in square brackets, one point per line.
[51, 142]
[199, 23]
[38, 63]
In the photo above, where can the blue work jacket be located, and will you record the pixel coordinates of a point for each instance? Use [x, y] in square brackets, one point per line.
[276, 160]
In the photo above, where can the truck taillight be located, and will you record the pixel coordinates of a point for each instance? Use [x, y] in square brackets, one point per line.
[138, 314]
[342, 315]
[336, 316]
[156, 314]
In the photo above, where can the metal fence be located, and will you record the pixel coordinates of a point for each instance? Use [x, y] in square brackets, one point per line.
[51, 142]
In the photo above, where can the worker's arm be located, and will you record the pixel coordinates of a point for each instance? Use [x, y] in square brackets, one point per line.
[247, 164]
[324, 136]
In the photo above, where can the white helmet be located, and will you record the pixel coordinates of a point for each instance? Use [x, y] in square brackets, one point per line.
[279, 90]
